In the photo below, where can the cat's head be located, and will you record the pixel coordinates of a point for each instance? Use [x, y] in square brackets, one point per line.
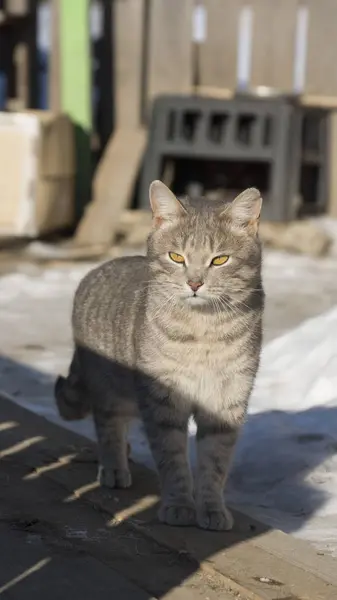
[204, 252]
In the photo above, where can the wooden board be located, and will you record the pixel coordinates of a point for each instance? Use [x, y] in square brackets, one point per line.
[128, 34]
[274, 31]
[21, 61]
[328, 102]
[30, 570]
[49, 495]
[321, 75]
[170, 55]
[118, 169]
[63, 545]
[218, 54]
[113, 186]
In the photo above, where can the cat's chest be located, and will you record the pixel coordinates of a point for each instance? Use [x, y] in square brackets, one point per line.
[199, 373]
[197, 363]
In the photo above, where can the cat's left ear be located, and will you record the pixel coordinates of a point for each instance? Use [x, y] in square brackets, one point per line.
[245, 209]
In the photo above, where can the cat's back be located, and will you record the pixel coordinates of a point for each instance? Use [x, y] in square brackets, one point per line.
[119, 274]
[107, 302]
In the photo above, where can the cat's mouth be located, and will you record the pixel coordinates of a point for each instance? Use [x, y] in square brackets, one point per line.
[195, 299]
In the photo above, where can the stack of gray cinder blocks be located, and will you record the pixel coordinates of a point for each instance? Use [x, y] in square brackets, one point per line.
[276, 132]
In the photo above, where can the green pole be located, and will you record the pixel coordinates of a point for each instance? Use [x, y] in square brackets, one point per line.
[75, 76]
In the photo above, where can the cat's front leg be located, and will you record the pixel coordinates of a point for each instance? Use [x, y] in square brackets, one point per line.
[166, 426]
[216, 438]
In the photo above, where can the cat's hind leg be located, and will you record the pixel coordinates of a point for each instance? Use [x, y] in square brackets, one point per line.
[113, 448]
[72, 398]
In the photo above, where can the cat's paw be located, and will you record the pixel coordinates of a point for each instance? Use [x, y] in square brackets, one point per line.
[114, 478]
[215, 519]
[177, 516]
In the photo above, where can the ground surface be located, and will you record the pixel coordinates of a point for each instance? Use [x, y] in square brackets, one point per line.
[64, 538]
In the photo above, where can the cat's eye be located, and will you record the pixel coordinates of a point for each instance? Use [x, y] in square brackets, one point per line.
[177, 258]
[218, 261]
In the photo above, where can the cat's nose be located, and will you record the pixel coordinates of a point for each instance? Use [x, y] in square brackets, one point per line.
[195, 285]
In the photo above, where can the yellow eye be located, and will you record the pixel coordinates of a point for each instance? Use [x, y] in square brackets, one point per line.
[219, 260]
[177, 258]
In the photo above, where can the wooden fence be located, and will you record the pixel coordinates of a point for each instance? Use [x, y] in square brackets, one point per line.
[168, 46]
[208, 47]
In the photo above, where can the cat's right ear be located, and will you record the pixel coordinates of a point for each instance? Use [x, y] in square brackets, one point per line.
[165, 206]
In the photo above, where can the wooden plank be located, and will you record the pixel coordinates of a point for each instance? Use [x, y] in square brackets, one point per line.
[170, 48]
[113, 187]
[78, 547]
[321, 76]
[329, 102]
[49, 562]
[118, 168]
[40, 480]
[214, 92]
[128, 26]
[218, 54]
[47, 570]
[274, 33]
[21, 60]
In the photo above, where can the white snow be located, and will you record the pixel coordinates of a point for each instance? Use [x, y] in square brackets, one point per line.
[285, 471]
[285, 467]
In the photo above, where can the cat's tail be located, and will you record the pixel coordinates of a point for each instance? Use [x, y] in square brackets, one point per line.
[70, 395]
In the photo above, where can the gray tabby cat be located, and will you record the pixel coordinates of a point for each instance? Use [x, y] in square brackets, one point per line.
[167, 336]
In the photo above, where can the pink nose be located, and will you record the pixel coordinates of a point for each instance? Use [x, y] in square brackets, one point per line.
[195, 285]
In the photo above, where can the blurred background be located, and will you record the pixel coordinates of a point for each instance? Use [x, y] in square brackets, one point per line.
[211, 96]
